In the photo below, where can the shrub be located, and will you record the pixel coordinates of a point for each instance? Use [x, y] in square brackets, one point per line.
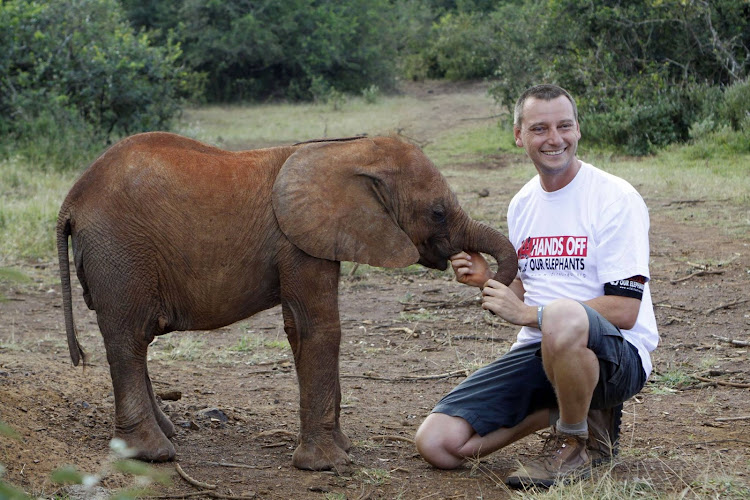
[735, 108]
[463, 47]
[80, 57]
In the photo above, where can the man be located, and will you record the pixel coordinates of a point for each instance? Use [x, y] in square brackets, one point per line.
[582, 299]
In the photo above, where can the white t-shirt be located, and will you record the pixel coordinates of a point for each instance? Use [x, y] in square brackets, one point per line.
[572, 241]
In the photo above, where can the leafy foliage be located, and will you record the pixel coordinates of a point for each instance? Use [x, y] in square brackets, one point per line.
[256, 49]
[75, 73]
[78, 63]
[643, 71]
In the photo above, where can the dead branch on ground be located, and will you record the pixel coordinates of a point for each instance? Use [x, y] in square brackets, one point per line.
[742, 343]
[439, 304]
[194, 482]
[408, 378]
[392, 437]
[721, 382]
[727, 305]
[274, 432]
[238, 466]
[702, 272]
[670, 306]
[732, 419]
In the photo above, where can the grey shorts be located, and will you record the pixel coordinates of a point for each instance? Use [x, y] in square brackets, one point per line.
[504, 392]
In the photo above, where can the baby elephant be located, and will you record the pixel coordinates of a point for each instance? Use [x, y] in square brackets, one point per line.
[173, 234]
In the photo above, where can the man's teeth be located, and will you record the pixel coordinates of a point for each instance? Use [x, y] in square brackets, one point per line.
[553, 153]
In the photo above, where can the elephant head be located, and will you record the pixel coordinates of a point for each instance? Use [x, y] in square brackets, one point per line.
[381, 202]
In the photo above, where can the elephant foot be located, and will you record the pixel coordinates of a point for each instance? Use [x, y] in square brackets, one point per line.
[150, 445]
[166, 425]
[310, 456]
[341, 440]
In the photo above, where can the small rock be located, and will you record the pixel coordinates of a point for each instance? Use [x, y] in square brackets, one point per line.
[170, 395]
[189, 424]
[214, 414]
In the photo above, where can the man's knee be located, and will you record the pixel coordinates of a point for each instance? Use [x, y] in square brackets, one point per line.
[439, 439]
[565, 325]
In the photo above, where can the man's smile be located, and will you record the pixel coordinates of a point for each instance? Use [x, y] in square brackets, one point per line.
[554, 153]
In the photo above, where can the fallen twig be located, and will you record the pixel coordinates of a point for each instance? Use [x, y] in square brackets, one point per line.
[205, 489]
[273, 432]
[392, 437]
[179, 495]
[702, 272]
[727, 305]
[743, 343]
[478, 337]
[410, 306]
[238, 466]
[683, 202]
[366, 494]
[203, 494]
[715, 441]
[670, 306]
[194, 482]
[461, 301]
[405, 378]
[721, 382]
[730, 419]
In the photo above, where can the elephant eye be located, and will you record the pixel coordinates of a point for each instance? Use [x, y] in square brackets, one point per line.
[438, 214]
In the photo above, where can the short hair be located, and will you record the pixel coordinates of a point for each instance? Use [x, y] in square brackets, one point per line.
[545, 92]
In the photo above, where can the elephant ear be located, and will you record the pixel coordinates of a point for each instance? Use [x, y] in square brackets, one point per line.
[332, 201]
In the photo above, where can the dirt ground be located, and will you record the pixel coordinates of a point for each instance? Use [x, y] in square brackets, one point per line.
[408, 337]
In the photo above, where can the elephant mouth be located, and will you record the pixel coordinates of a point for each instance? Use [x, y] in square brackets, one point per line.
[434, 263]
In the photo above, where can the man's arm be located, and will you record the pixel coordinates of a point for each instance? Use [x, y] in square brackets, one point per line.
[618, 310]
[621, 301]
[507, 302]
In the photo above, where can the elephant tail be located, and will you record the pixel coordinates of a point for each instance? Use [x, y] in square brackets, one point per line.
[63, 232]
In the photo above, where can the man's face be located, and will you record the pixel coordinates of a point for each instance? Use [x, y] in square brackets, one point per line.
[549, 133]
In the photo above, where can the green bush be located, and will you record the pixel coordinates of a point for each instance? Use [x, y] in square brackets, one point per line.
[639, 85]
[646, 121]
[735, 108]
[270, 48]
[50, 134]
[463, 47]
[78, 64]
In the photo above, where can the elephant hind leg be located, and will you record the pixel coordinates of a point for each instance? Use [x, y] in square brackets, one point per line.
[138, 421]
[165, 424]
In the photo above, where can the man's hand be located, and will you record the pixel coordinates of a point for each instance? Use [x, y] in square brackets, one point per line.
[504, 302]
[471, 268]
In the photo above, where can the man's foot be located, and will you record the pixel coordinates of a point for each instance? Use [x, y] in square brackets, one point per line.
[604, 433]
[564, 459]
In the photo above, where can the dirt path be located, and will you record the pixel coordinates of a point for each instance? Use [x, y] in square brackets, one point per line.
[408, 337]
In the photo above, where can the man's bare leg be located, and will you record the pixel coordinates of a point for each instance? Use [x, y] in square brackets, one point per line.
[571, 367]
[447, 442]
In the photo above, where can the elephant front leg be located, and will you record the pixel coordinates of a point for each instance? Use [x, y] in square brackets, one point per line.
[312, 325]
[322, 444]
[339, 438]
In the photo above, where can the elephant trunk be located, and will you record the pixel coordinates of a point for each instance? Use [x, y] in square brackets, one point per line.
[484, 239]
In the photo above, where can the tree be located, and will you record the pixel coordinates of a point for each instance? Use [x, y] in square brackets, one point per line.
[82, 56]
[256, 49]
